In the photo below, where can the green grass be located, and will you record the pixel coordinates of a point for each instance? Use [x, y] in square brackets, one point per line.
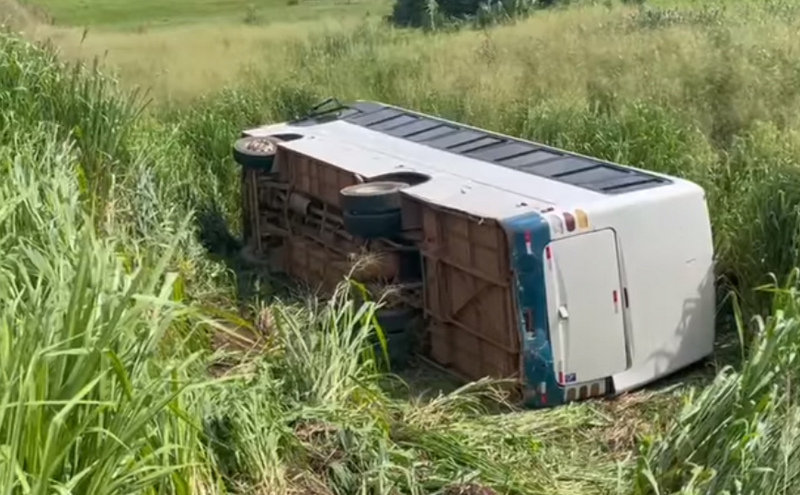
[110, 295]
[109, 303]
[113, 14]
[739, 435]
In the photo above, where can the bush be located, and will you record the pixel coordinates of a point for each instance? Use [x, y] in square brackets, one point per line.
[311, 413]
[433, 14]
[91, 402]
[93, 398]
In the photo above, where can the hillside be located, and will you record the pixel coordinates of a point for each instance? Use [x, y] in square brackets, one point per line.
[119, 278]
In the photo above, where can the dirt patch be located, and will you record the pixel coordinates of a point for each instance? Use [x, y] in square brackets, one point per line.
[237, 339]
[633, 416]
[306, 484]
[240, 338]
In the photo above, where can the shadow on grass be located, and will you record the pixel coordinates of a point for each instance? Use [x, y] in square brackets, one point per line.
[420, 381]
[254, 282]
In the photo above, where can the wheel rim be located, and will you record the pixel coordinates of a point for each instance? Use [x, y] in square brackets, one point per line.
[373, 188]
[260, 146]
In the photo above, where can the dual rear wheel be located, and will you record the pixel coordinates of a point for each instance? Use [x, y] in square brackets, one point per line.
[373, 209]
[370, 210]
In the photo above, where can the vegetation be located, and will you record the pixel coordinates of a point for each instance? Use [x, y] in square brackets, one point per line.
[110, 302]
[111, 14]
[118, 286]
[451, 13]
[740, 434]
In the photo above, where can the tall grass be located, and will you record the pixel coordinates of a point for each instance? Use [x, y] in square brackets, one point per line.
[312, 416]
[741, 434]
[90, 402]
[106, 302]
[92, 398]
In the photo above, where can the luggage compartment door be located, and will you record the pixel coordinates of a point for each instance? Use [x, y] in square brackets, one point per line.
[585, 306]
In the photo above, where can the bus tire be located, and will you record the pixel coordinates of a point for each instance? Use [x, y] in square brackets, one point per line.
[254, 152]
[373, 225]
[371, 197]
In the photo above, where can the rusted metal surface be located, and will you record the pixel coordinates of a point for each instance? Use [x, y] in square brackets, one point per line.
[312, 263]
[293, 213]
[468, 294]
[465, 285]
[256, 199]
[314, 178]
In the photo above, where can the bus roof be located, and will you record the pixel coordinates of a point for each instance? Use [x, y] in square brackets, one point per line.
[471, 170]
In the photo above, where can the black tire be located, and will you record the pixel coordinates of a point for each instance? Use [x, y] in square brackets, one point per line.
[255, 152]
[373, 225]
[371, 197]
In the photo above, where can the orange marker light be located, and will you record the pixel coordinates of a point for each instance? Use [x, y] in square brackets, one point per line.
[583, 220]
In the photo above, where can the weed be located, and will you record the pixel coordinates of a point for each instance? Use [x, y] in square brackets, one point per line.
[84, 407]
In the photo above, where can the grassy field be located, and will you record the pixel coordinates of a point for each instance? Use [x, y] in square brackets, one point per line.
[154, 45]
[118, 220]
[113, 14]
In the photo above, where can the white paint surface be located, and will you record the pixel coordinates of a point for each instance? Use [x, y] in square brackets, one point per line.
[586, 325]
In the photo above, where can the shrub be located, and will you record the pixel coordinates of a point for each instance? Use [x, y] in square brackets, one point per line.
[433, 13]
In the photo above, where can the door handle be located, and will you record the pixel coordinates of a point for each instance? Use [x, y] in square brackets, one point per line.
[563, 313]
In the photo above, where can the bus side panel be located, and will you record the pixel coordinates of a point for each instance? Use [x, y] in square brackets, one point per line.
[469, 295]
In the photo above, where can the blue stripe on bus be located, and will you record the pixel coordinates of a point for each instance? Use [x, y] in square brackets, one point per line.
[529, 235]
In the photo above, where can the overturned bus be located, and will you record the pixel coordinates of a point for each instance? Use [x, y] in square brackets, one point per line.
[578, 277]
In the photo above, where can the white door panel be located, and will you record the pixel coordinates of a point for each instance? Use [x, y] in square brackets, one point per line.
[585, 307]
